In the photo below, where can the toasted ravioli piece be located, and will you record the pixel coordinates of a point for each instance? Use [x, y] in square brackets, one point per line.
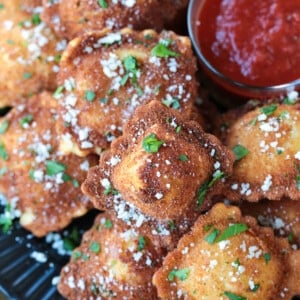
[73, 18]
[29, 52]
[266, 141]
[227, 256]
[164, 165]
[283, 216]
[114, 261]
[104, 76]
[40, 181]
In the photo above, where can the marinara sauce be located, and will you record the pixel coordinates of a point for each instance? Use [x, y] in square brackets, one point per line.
[255, 42]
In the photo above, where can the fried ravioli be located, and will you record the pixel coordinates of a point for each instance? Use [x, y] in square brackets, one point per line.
[228, 256]
[73, 18]
[29, 52]
[43, 183]
[266, 142]
[164, 165]
[104, 76]
[114, 261]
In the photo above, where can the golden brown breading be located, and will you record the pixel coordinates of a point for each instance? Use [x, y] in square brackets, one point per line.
[42, 183]
[29, 52]
[283, 216]
[73, 18]
[104, 76]
[164, 165]
[266, 142]
[114, 261]
[227, 256]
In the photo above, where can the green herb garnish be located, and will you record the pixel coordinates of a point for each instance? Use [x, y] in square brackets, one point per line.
[54, 167]
[162, 50]
[267, 257]
[172, 102]
[141, 243]
[151, 144]
[232, 230]
[95, 247]
[211, 237]
[239, 152]
[208, 184]
[35, 19]
[255, 287]
[269, 110]
[58, 91]
[25, 121]
[3, 152]
[183, 157]
[3, 127]
[108, 224]
[27, 75]
[233, 296]
[103, 3]
[89, 95]
[180, 274]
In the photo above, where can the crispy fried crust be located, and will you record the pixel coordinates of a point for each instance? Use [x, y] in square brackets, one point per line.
[29, 52]
[114, 261]
[283, 216]
[47, 198]
[73, 18]
[271, 169]
[176, 182]
[100, 94]
[252, 264]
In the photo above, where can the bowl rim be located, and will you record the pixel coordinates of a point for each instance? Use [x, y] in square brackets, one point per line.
[192, 12]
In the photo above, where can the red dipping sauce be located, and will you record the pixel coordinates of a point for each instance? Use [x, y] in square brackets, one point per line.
[255, 42]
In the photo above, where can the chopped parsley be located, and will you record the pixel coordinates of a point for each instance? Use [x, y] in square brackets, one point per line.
[233, 296]
[103, 3]
[3, 126]
[6, 219]
[289, 101]
[110, 190]
[131, 66]
[54, 167]
[89, 95]
[172, 102]
[180, 274]
[255, 287]
[211, 237]
[141, 243]
[2, 6]
[35, 19]
[3, 171]
[298, 182]
[95, 247]
[239, 152]
[207, 227]
[151, 144]
[162, 50]
[25, 121]
[27, 75]
[71, 241]
[232, 230]
[208, 184]
[267, 257]
[76, 254]
[3, 152]
[183, 157]
[172, 225]
[108, 224]
[269, 110]
[58, 91]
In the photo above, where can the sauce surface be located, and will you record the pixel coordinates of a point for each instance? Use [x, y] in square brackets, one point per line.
[253, 42]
